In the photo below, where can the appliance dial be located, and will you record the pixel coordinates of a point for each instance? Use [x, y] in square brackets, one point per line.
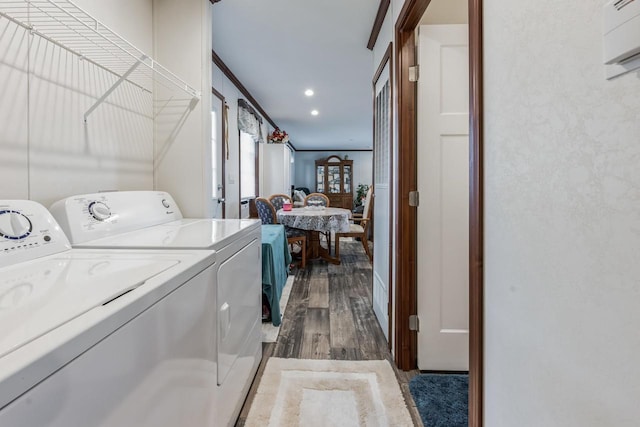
[14, 225]
[99, 211]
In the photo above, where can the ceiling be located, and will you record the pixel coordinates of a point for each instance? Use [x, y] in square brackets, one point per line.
[280, 48]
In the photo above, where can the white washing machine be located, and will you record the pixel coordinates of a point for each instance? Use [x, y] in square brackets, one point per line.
[152, 220]
[102, 337]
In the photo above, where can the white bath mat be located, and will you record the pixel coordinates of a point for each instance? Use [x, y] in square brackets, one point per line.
[315, 393]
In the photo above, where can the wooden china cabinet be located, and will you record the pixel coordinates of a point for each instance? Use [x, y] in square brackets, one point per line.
[334, 178]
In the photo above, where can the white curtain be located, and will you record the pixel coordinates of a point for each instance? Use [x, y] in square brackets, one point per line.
[249, 121]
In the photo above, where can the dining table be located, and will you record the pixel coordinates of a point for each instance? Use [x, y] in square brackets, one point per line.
[317, 220]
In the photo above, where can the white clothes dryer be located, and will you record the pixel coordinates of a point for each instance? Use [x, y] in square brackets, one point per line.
[102, 337]
[152, 220]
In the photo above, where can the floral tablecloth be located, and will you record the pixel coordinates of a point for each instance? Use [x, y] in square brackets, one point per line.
[324, 220]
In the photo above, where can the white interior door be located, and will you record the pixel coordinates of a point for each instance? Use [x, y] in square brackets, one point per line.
[217, 177]
[381, 217]
[443, 183]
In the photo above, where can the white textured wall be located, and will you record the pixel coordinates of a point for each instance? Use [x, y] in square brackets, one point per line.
[131, 19]
[386, 35]
[562, 218]
[14, 125]
[394, 9]
[182, 42]
[46, 151]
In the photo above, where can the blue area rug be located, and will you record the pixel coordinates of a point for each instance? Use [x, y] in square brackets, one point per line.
[442, 399]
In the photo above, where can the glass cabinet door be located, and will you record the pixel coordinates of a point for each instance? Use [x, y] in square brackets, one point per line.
[347, 179]
[320, 179]
[334, 178]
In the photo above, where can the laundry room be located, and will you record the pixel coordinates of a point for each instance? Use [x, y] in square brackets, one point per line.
[105, 119]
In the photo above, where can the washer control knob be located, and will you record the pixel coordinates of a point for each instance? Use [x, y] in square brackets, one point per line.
[99, 211]
[14, 225]
[165, 203]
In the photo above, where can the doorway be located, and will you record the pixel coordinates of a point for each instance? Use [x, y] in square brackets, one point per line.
[218, 152]
[406, 253]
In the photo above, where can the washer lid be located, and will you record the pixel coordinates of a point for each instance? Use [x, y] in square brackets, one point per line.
[39, 296]
[180, 234]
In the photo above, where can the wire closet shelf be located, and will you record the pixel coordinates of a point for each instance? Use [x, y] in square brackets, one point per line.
[66, 25]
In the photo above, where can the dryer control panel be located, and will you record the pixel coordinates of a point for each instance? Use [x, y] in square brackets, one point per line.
[28, 231]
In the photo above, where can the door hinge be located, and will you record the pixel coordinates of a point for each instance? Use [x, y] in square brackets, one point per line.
[414, 323]
[414, 198]
[414, 73]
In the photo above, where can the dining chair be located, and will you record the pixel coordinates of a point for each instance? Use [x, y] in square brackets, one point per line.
[277, 200]
[315, 198]
[360, 230]
[267, 214]
[319, 199]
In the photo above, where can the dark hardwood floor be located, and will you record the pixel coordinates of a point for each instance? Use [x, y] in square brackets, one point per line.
[330, 316]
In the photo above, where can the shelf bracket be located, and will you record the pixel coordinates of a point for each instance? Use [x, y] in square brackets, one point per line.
[114, 87]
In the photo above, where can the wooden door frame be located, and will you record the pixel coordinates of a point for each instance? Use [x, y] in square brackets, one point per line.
[405, 230]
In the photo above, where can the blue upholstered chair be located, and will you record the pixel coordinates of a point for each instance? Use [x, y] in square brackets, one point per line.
[277, 200]
[266, 211]
[267, 214]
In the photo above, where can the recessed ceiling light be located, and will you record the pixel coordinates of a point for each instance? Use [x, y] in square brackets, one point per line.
[308, 92]
[315, 112]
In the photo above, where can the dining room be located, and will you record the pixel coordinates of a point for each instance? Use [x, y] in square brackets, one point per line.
[297, 237]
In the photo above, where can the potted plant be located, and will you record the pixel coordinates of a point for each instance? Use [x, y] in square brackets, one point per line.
[361, 194]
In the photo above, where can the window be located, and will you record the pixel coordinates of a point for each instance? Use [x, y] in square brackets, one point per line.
[248, 156]
[382, 133]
